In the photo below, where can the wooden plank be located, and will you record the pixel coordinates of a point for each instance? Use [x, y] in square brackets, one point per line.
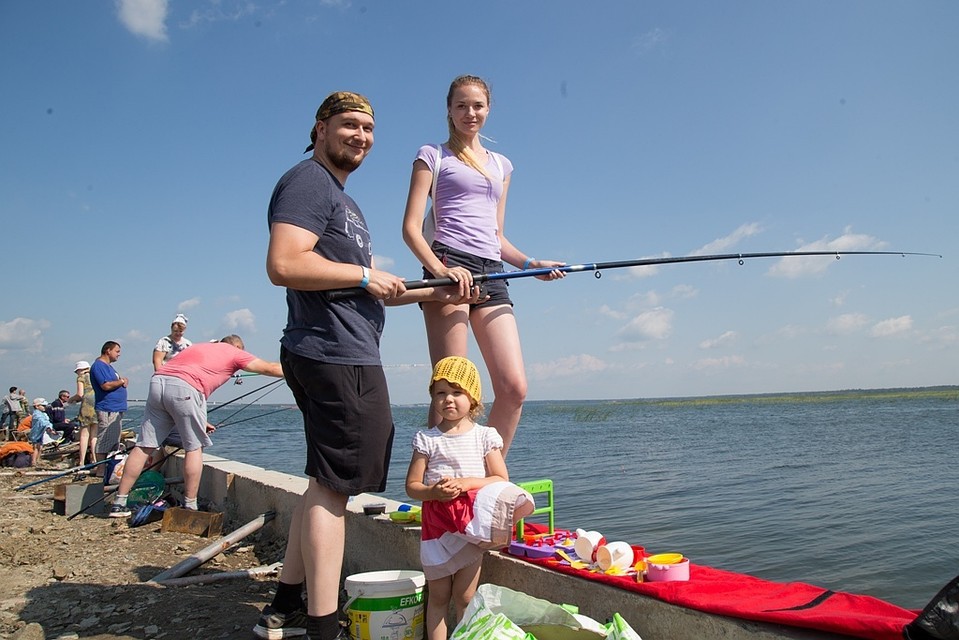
[207, 524]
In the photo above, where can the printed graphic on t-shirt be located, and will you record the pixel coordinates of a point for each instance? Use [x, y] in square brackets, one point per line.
[357, 231]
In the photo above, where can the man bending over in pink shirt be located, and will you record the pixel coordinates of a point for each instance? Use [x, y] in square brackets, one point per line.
[177, 401]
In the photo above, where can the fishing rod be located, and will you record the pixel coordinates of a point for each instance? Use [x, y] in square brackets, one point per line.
[222, 423]
[598, 267]
[83, 467]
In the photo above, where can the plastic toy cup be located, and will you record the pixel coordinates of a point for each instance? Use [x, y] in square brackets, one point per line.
[587, 542]
[615, 554]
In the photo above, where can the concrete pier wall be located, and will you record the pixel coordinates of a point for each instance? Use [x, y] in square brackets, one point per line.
[243, 492]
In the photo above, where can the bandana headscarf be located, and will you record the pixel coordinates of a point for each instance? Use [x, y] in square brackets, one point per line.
[338, 102]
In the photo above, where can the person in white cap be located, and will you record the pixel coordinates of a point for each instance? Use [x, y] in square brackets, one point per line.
[88, 415]
[40, 425]
[168, 346]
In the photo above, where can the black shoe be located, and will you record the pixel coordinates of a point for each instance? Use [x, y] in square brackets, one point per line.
[274, 625]
[118, 511]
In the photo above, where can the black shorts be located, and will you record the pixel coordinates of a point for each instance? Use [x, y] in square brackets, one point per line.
[347, 421]
[497, 290]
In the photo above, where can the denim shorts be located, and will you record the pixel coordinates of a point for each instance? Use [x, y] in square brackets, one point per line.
[497, 290]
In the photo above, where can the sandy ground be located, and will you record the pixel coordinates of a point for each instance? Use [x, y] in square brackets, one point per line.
[86, 577]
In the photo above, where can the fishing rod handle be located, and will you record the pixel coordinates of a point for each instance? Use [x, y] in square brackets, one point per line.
[341, 294]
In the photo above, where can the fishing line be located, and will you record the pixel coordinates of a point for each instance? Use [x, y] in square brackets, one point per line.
[248, 403]
[337, 294]
[261, 415]
[249, 393]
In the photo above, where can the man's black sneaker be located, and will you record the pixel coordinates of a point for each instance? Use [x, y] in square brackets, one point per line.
[274, 625]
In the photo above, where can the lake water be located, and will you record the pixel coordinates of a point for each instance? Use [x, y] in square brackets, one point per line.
[853, 491]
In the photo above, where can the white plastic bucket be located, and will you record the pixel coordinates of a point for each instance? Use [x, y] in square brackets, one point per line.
[386, 605]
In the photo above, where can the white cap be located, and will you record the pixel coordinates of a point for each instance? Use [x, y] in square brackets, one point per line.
[39, 402]
[182, 319]
[81, 364]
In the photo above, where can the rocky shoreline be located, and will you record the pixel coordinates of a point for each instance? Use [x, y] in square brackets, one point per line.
[86, 578]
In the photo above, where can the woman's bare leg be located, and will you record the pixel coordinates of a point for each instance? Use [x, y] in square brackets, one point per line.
[497, 335]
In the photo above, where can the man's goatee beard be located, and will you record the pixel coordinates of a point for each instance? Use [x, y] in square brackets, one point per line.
[345, 162]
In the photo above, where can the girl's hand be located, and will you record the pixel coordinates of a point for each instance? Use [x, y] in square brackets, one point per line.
[445, 490]
[452, 295]
[458, 274]
[544, 264]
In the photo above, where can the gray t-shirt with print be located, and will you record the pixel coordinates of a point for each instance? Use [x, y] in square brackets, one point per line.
[345, 331]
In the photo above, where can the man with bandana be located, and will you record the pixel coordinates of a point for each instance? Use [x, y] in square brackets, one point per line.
[320, 241]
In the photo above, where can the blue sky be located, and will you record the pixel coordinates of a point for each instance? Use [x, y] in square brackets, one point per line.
[140, 142]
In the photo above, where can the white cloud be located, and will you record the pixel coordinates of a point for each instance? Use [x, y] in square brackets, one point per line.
[187, 305]
[795, 267]
[722, 245]
[648, 299]
[944, 336]
[684, 291]
[22, 334]
[652, 39]
[725, 338]
[846, 323]
[146, 18]
[786, 332]
[647, 271]
[565, 367]
[726, 362]
[655, 324]
[609, 312]
[384, 263]
[241, 319]
[839, 299]
[891, 327]
[135, 335]
[219, 11]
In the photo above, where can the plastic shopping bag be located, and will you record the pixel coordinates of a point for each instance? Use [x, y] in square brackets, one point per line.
[489, 626]
[619, 629]
[540, 618]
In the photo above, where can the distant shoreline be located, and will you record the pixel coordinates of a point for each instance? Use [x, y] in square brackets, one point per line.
[944, 392]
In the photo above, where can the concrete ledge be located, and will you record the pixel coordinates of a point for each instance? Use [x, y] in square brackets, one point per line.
[375, 543]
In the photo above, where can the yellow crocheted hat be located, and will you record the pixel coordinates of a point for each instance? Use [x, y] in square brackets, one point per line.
[461, 372]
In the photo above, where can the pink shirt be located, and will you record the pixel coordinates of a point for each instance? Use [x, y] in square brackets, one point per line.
[206, 366]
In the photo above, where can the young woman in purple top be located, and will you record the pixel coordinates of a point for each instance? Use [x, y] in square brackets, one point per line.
[468, 215]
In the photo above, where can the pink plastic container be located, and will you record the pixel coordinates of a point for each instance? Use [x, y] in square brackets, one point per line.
[677, 572]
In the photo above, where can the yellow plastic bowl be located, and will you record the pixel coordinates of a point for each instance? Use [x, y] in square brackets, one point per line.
[406, 516]
[665, 558]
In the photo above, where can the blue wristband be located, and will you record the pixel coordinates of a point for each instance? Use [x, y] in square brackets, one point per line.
[526, 264]
[366, 278]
